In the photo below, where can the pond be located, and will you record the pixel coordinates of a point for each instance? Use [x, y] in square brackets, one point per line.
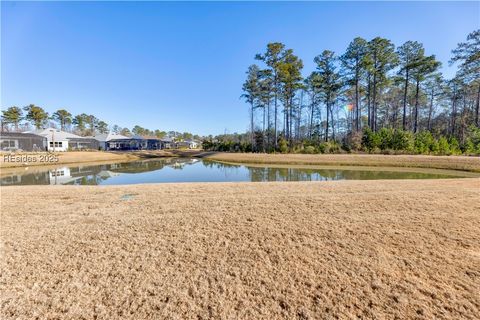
[198, 170]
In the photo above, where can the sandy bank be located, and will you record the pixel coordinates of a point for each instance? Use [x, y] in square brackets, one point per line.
[347, 249]
[24, 159]
[11, 160]
[415, 161]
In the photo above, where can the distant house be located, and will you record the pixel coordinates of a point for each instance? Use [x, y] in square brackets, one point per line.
[167, 143]
[190, 144]
[19, 141]
[105, 138]
[58, 140]
[151, 143]
[137, 142]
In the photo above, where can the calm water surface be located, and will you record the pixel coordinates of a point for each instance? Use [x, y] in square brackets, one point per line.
[195, 170]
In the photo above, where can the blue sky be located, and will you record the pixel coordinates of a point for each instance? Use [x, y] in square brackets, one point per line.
[180, 66]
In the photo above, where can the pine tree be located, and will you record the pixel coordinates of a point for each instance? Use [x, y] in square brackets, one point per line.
[12, 115]
[274, 55]
[36, 115]
[290, 79]
[409, 54]
[353, 67]
[251, 89]
[423, 67]
[382, 59]
[63, 117]
[330, 84]
[468, 54]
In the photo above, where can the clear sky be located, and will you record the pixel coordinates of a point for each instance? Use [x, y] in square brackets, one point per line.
[180, 66]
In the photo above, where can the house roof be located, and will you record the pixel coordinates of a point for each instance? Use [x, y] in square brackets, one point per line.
[109, 136]
[166, 139]
[57, 134]
[20, 135]
[149, 137]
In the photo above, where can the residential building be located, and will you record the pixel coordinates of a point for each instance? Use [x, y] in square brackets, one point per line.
[18, 141]
[58, 140]
[105, 138]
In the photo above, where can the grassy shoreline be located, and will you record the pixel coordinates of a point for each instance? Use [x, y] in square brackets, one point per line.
[457, 173]
[462, 163]
[379, 249]
[90, 157]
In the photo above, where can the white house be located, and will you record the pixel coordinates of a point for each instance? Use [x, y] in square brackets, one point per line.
[191, 144]
[58, 140]
[60, 176]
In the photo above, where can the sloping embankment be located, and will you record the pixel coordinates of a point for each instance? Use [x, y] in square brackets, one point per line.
[415, 161]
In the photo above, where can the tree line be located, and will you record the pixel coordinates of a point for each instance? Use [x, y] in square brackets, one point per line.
[21, 119]
[351, 97]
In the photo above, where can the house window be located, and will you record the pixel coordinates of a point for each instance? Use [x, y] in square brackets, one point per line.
[57, 144]
[58, 173]
[8, 144]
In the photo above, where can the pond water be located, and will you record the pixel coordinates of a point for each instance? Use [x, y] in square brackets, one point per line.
[197, 170]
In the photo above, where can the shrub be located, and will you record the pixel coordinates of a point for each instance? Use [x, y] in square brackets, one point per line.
[346, 147]
[385, 139]
[282, 145]
[333, 147]
[352, 141]
[321, 147]
[309, 150]
[454, 146]
[434, 148]
[443, 146]
[370, 140]
[402, 140]
[424, 142]
[329, 147]
[469, 147]
[472, 144]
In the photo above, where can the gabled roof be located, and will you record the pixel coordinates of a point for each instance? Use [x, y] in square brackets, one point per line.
[57, 134]
[109, 136]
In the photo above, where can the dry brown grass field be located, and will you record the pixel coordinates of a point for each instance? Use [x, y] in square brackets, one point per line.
[399, 249]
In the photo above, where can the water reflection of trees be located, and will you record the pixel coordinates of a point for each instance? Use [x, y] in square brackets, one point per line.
[299, 174]
[97, 174]
[262, 174]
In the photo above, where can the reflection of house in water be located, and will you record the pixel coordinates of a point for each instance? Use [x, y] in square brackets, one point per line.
[149, 165]
[91, 175]
[25, 178]
[11, 180]
[180, 163]
[60, 176]
[105, 174]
